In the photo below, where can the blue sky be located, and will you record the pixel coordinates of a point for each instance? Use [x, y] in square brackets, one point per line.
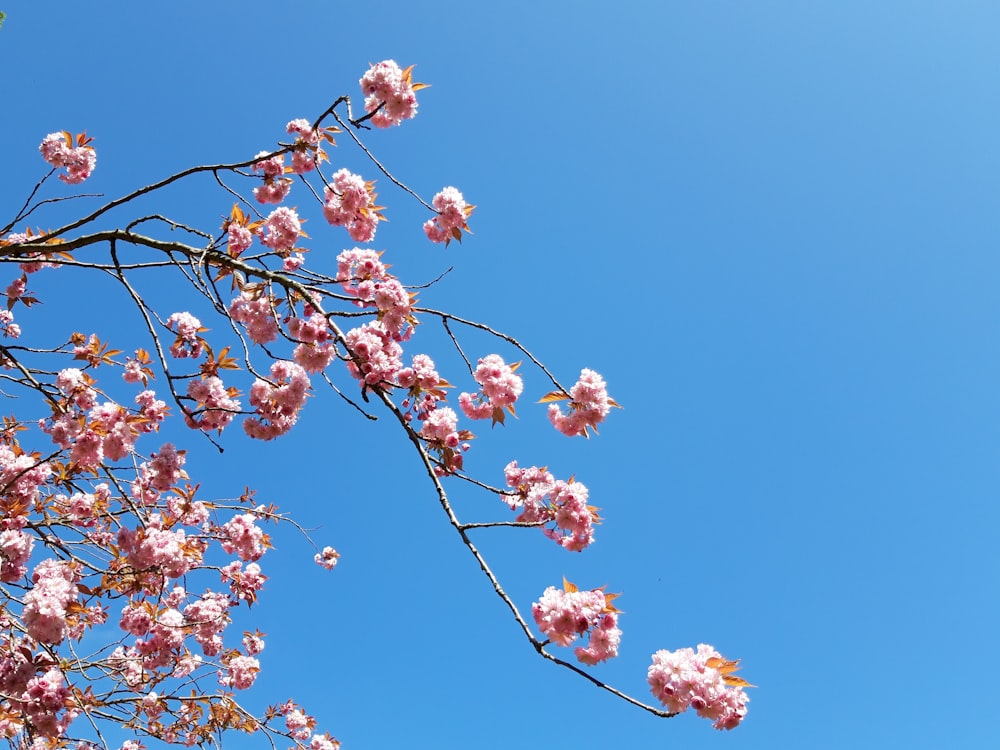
[770, 227]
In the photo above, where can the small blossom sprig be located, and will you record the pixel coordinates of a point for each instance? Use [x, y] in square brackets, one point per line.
[390, 93]
[702, 680]
[499, 389]
[544, 500]
[589, 404]
[79, 160]
[563, 616]
[452, 217]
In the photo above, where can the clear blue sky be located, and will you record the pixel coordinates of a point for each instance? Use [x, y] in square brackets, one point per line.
[771, 226]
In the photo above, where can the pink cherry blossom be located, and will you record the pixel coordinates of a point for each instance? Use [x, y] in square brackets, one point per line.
[386, 85]
[254, 308]
[377, 353]
[327, 558]
[588, 407]
[276, 187]
[15, 551]
[240, 673]
[239, 238]
[683, 679]
[307, 150]
[281, 229]
[499, 389]
[57, 149]
[545, 501]
[350, 203]
[188, 343]
[242, 536]
[277, 403]
[563, 616]
[426, 386]
[45, 605]
[208, 617]
[451, 219]
[216, 404]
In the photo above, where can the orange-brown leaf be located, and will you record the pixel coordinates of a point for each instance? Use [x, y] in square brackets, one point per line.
[553, 396]
[568, 587]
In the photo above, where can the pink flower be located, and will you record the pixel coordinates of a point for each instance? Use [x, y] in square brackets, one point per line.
[327, 558]
[217, 404]
[588, 407]
[188, 343]
[208, 617]
[500, 388]
[254, 308]
[282, 229]
[244, 583]
[453, 213]
[45, 605]
[239, 238]
[563, 616]
[350, 203]
[546, 501]
[241, 671]
[358, 271]
[378, 355]
[385, 85]
[242, 536]
[154, 548]
[307, 150]
[15, 551]
[57, 149]
[275, 188]
[277, 403]
[685, 678]
[426, 386]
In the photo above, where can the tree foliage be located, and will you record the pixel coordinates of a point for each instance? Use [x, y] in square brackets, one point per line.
[103, 530]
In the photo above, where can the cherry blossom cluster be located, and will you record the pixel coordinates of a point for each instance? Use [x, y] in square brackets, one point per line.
[216, 405]
[281, 230]
[276, 186]
[300, 727]
[327, 558]
[452, 217]
[254, 308]
[10, 329]
[277, 401]
[21, 476]
[425, 387]
[244, 582]
[499, 389]
[106, 430]
[43, 699]
[350, 202]
[316, 349]
[390, 93]
[46, 604]
[188, 343]
[544, 500]
[588, 407]
[167, 551]
[307, 151]
[242, 536]
[687, 678]
[15, 551]
[159, 474]
[362, 274]
[377, 354]
[79, 160]
[564, 616]
[440, 430]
